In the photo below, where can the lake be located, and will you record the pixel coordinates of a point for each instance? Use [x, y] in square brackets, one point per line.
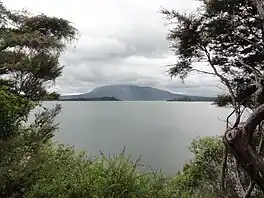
[159, 131]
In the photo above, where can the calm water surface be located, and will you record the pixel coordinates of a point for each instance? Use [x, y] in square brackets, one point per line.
[159, 131]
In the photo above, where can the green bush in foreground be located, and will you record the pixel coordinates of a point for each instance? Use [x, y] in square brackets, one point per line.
[62, 173]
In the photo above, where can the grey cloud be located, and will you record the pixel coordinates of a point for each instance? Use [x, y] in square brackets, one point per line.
[96, 49]
[117, 49]
[204, 90]
[122, 42]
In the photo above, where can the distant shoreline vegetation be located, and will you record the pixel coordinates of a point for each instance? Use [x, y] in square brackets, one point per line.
[106, 98]
[193, 99]
[91, 99]
[115, 99]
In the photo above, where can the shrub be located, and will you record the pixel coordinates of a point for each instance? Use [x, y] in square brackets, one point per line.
[64, 174]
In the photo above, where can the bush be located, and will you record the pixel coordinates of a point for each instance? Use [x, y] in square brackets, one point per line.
[58, 171]
[63, 174]
[200, 177]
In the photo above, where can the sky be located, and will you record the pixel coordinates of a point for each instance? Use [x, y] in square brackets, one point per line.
[121, 42]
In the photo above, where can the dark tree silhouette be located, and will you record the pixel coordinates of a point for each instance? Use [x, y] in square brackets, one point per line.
[227, 36]
[30, 47]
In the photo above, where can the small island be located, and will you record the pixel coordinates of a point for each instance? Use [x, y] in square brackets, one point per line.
[193, 99]
[91, 99]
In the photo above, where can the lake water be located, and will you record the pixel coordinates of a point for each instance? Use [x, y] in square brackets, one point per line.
[159, 131]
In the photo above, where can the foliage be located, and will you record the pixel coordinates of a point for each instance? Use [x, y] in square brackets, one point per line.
[30, 166]
[227, 38]
[18, 154]
[63, 173]
[52, 96]
[30, 47]
[223, 100]
[201, 177]
[223, 36]
[13, 110]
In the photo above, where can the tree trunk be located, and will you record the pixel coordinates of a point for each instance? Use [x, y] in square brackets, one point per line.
[237, 140]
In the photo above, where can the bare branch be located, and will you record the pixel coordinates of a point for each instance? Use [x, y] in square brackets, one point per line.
[237, 174]
[222, 78]
[223, 171]
[261, 140]
[203, 72]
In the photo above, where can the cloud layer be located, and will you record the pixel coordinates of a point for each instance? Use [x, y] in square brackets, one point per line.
[122, 42]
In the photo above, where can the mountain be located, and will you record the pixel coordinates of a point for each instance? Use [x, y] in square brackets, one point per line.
[127, 93]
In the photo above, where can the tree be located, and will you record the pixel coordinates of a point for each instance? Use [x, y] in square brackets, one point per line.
[227, 36]
[52, 96]
[30, 47]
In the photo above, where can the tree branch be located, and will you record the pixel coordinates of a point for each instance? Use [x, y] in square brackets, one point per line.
[253, 121]
[222, 78]
[255, 71]
[257, 45]
[237, 175]
[203, 72]
[252, 183]
[223, 171]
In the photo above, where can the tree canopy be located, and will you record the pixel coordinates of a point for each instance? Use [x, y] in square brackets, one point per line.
[227, 37]
[30, 47]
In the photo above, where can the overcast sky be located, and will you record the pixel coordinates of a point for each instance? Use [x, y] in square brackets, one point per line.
[122, 42]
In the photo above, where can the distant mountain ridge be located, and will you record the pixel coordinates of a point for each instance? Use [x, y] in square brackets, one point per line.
[131, 93]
